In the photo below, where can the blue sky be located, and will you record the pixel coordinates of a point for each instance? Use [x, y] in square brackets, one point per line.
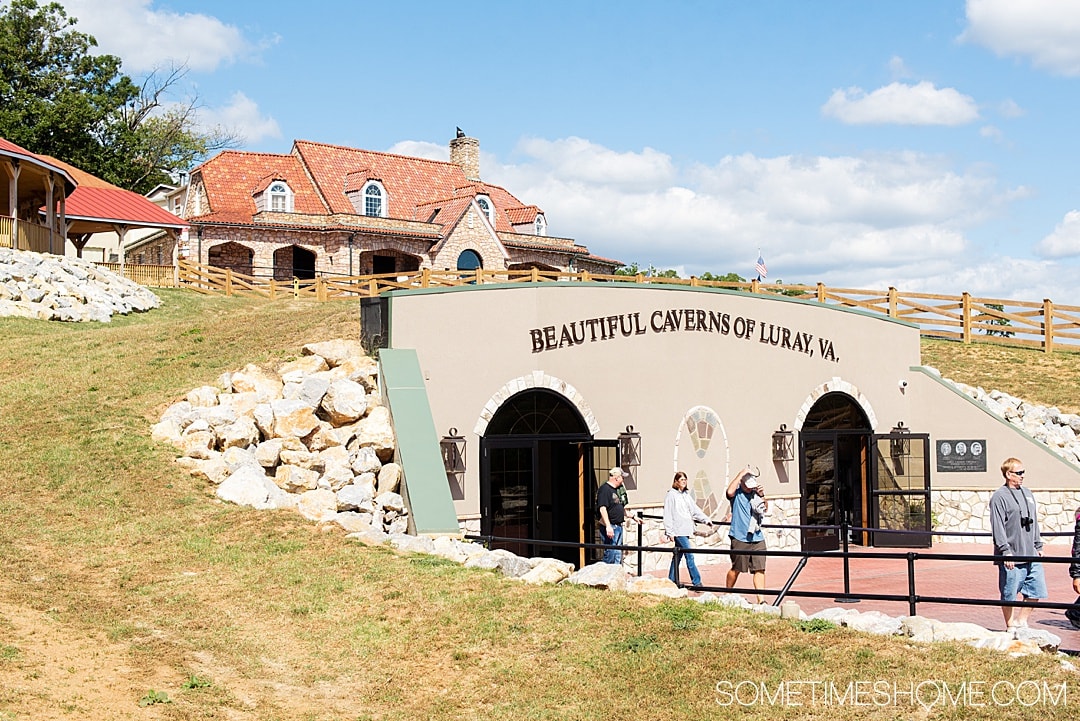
[928, 145]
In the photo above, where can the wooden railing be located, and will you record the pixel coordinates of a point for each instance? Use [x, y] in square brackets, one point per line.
[155, 276]
[28, 236]
[965, 318]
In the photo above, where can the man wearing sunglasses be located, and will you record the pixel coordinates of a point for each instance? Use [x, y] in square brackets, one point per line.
[1015, 527]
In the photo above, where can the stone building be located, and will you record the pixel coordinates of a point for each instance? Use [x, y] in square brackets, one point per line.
[330, 210]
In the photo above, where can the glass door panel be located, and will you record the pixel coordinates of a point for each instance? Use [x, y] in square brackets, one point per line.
[819, 494]
[902, 490]
[512, 497]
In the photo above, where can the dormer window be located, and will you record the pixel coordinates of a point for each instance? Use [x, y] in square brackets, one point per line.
[277, 198]
[485, 205]
[541, 225]
[374, 201]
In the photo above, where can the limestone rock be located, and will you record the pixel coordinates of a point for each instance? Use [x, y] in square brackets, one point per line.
[334, 351]
[600, 575]
[344, 401]
[389, 478]
[655, 586]
[255, 379]
[318, 505]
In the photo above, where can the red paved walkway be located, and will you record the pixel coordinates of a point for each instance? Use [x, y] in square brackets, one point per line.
[942, 578]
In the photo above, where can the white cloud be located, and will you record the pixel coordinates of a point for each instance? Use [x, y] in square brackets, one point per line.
[1010, 109]
[901, 104]
[898, 219]
[145, 37]
[1045, 31]
[241, 116]
[898, 68]
[1064, 242]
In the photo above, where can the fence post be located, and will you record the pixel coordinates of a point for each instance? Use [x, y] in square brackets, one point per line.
[755, 286]
[1048, 326]
[694, 283]
[965, 304]
[228, 281]
[534, 276]
[373, 288]
[295, 287]
[320, 289]
[820, 292]
[273, 289]
[911, 583]
[479, 276]
[639, 278]
[585, 276]
[892, 302]
[425, 278]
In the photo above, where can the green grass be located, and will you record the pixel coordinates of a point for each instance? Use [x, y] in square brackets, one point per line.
[113, 558]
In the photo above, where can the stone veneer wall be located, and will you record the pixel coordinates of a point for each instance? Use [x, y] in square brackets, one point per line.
[471, 233]
[964, 511]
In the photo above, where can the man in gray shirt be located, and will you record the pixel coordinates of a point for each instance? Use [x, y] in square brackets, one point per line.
[1015, 527]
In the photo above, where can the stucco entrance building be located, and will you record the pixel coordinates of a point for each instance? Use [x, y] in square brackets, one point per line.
[547, 386]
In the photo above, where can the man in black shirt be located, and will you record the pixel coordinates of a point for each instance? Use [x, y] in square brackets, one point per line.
[610, 505]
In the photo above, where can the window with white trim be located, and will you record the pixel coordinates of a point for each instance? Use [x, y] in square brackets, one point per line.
[280, 197]
[374, 201]
[485, 205]
[541, 225]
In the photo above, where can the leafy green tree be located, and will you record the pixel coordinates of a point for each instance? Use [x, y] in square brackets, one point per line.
[55, 97]
[726, 278]
[59, 99]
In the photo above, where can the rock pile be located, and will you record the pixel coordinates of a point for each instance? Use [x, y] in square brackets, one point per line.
[53, 287]
[311, 435]
[1045, 424]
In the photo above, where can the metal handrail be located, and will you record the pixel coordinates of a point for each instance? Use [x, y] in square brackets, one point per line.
[910, 557]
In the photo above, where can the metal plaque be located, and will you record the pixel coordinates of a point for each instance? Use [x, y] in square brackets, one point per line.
[961, 456]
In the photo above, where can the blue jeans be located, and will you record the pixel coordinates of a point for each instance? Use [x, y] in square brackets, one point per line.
[612, 555]
[673, 572]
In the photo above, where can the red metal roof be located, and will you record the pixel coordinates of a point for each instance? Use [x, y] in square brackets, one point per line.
[97, 201]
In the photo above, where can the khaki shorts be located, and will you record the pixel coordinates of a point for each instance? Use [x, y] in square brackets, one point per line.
[744, 562]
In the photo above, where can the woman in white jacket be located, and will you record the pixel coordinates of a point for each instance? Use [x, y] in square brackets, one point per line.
[680, 512]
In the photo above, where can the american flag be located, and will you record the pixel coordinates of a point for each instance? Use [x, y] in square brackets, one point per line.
[760, 268]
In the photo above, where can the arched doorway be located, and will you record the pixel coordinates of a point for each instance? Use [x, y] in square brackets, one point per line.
[234, 256]
[535, 459]
[834, 445]
[469, 260]
[292, 261]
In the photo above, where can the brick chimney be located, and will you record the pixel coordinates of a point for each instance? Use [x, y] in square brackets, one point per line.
[465, 152]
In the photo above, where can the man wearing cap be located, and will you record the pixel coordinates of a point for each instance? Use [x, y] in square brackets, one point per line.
[611, 506]
[748, 505]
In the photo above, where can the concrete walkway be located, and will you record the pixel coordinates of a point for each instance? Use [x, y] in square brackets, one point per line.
[955, 579]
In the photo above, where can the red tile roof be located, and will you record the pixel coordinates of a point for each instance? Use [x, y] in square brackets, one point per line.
[231, 177]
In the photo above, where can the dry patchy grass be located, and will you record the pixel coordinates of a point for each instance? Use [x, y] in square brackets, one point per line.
[129, 592]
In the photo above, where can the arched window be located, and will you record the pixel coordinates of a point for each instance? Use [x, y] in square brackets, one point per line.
[541, 225]
[469, 260]
[279, 197]
[485, 205]
[373, 201]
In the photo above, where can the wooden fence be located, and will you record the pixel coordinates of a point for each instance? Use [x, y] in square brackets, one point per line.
[965, 318]
[155, 276]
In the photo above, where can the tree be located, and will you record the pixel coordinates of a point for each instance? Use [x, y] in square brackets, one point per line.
[58, 99]
[55, 97]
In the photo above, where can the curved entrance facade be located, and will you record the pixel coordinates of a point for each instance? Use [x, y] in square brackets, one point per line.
[705, 381]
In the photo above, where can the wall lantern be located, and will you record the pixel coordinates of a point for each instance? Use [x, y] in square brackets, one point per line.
[900, 444]
[783, 444]
[630, 450]
[453, 454]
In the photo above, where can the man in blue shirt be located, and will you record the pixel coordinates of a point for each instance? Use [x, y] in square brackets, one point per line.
[748, 504]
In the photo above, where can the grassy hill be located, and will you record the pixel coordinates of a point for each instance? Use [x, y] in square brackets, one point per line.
[127, 591]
